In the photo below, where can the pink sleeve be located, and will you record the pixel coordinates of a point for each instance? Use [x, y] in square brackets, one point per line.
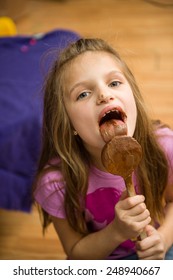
[166, 141]
[49, 194]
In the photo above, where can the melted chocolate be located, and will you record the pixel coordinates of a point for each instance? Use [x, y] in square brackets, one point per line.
[112, 128]
[121, 155]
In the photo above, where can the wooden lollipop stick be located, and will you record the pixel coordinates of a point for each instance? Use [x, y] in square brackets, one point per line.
[120, 156]
[121, 153]
[129, 186]
[131, 192]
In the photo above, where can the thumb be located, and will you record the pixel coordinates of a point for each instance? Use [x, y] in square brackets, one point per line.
[149, 230]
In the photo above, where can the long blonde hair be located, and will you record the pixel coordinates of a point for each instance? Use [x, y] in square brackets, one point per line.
[59, 141]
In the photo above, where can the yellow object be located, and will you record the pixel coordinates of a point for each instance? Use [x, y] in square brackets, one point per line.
[7, 27]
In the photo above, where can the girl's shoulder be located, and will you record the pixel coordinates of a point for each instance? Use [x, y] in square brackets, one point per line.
[50, 174]
[50, 190]
[165, 139]
[164, 131]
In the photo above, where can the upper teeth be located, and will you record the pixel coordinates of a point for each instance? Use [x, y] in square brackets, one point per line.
[113, 110]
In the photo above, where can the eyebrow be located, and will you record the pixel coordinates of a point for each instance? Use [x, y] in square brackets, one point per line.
[116, 72]
[77, 85]
[83, 82]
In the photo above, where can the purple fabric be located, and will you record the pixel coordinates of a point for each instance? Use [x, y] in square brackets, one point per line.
[23, 63]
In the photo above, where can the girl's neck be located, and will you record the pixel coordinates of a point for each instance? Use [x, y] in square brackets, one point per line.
[95, 158]
[97, 162]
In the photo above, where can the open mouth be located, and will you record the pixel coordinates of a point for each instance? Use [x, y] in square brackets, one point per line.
[114, 114]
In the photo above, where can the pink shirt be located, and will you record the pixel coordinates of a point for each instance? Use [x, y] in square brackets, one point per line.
[104, 191]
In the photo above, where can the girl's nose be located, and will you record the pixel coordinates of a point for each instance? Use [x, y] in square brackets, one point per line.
[104, 98]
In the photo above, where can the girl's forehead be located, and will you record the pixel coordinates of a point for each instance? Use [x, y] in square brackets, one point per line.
[94, 56]
[90, 61]
[90, 66]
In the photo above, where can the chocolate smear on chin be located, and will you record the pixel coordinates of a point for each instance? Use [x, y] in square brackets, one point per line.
[112, 128]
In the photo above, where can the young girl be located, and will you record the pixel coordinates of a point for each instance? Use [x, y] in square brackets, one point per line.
[89, 207]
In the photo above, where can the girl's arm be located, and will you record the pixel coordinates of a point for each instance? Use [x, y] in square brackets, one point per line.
[96, 245]
[131, 216]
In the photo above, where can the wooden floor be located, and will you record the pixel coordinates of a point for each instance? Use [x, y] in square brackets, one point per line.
[143, 33]
[21, 238]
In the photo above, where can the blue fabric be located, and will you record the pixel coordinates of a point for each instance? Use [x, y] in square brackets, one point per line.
[169, 255]
[23, 62]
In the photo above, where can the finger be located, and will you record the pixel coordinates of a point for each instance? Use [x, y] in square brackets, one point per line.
[150, 230]
[150, 255]
[138, 209]
[152, 239]
[131, 202]
[154, 252]
[142, 224]
[141, 217]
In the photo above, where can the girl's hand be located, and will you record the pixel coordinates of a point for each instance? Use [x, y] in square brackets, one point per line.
[131, 216]
[152, 247]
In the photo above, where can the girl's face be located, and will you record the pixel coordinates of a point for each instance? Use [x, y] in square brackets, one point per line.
[95, 85]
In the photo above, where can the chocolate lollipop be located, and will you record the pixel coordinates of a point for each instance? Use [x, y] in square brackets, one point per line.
[121, 156]
[121, 153]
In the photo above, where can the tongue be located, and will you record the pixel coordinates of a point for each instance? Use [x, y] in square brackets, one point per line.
[112, 128]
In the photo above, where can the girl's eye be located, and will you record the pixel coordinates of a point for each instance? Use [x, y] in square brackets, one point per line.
[115, 84]
[83, 95]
